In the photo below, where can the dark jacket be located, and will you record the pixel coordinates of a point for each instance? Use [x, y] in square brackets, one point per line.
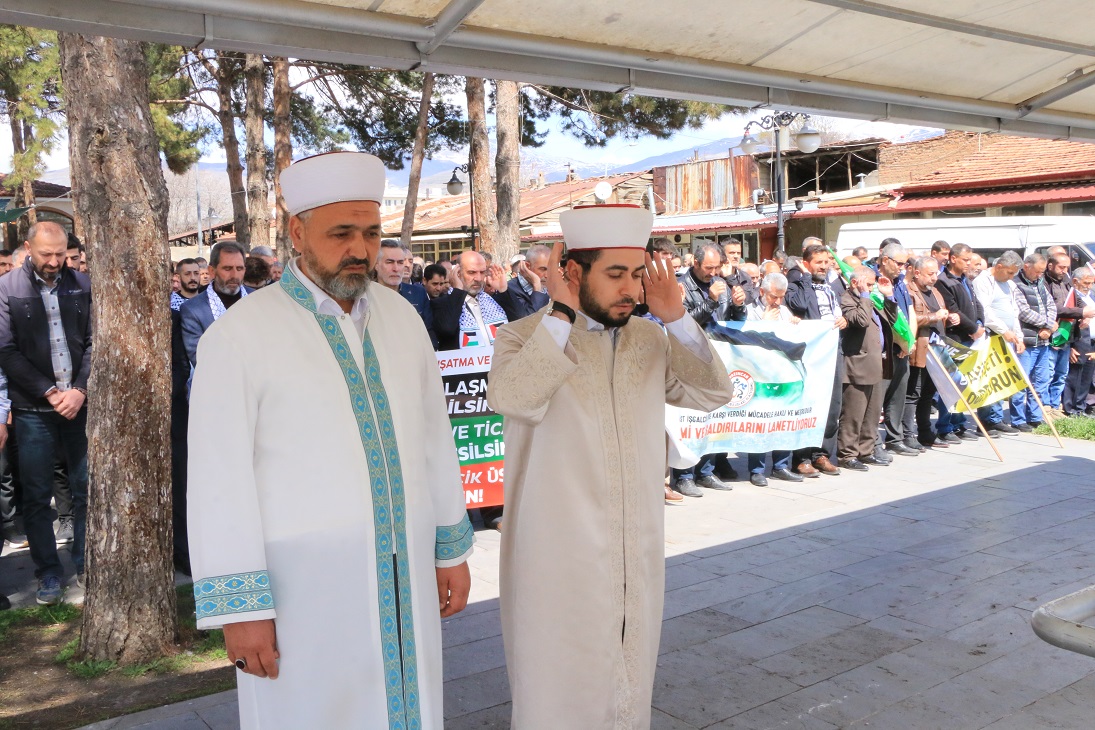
[924, 305]
[196, 316]
[956, 299]
[1060, 290]
[24, 333]
[525, 304]
[420, 300]
[446, 315]
[801, 298]
[1036, 296]
[705, 310]
[862, 343]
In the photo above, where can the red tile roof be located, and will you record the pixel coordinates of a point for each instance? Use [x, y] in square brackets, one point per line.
[43, 191]
[452, 211]
[1004, 160]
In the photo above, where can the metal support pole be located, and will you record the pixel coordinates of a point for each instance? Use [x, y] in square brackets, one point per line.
[779, 192]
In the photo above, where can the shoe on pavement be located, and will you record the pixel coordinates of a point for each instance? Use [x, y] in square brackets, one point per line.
[881, 455]
[671, 496]
[5, 604]
[899, 447]
[807, 470]
[17, 540]
[823, 465]
[65, 531]
[688, 488]
[786, 475]
[1001, 428]
[854, 464]
[915, 445]
[875, 461]
[726, 473]
[50, 592]
[758, 480]
[967, 435]
[1024, 427]
[713, 482]
[80, 581]
[949, 438]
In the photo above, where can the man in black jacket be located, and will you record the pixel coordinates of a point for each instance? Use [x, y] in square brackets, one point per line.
[1059, 283]
[810, 295]
[45, 350]
[469, 316]
[956, 294]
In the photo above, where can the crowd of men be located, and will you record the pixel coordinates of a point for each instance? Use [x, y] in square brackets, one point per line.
[882, 402]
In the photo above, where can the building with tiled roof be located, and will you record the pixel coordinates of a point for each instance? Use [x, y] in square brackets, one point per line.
[52, 202]
[442, 226]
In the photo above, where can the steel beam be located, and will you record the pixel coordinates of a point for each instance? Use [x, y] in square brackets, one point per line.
[448, 20]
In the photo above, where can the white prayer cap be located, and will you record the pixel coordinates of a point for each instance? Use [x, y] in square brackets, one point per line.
[606, 226]
[333, 177]
[516, 259]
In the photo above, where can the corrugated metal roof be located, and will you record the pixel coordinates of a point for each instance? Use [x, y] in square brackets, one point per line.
[987, 65]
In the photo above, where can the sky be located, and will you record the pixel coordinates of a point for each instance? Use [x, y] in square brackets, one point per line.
[616, 153]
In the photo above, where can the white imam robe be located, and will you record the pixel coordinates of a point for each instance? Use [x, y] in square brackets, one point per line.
[583, 550]
[283, 519]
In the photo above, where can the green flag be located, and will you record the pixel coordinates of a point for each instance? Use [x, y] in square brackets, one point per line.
[901, 325]
[12, 214]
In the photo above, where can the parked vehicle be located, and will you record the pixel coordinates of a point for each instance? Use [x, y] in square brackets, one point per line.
[989, 237]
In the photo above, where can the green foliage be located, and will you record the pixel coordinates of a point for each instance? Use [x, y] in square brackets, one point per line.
[1074, 427]
[30, 87]
[179, 128]
[62, 613]
[90, 669]
[68, 652]
[597, 116]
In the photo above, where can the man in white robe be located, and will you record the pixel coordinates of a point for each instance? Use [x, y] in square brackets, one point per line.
[327, 519]
[583, 387]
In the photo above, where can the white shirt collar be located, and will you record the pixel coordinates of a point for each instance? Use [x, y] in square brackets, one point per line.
[593, 325]
[325, 304]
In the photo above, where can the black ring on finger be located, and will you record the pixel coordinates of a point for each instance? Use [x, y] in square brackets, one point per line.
[241, 663]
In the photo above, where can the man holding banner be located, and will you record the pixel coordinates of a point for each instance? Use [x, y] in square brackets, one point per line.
[995, 290]
[583, 388]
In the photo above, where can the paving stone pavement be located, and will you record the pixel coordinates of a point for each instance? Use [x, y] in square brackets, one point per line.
[899, 598]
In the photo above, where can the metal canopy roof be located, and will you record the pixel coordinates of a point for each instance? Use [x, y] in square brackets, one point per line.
[1016, 66]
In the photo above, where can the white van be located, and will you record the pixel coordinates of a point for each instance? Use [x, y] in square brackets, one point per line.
[989, 237]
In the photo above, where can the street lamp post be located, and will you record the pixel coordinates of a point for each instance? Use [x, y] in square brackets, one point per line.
[806, 140]
[455, 186]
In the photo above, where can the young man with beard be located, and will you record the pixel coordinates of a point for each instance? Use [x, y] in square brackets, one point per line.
[327, 521]
[812, 296]
[189, 274]
[585, 454]
[227, 264]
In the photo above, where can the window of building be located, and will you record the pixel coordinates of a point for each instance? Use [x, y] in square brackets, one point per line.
[1083, 207]
[960, 213]
[1013, 210]
[750, 243]
[443, 250]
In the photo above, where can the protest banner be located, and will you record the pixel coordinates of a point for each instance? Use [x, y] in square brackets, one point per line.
[985, 372]
[476, 429]
[783, 379]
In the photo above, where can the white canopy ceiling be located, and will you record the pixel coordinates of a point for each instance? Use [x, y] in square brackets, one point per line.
[1018, 66]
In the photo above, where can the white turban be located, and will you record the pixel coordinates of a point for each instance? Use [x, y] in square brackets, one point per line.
[333, 177]
[606, 226]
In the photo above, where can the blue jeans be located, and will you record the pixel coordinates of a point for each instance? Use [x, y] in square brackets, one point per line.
[1059, 360]
[991, 414]
[948, 421]
[780, 460]
[1038, 364]
[41, 436]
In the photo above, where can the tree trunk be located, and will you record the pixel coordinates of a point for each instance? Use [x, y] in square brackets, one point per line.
[417, 154]
[283, 152]
[22, 139]
[507, 166]
[130, 611]
[254, 116]
[479, 165]
[225, 74]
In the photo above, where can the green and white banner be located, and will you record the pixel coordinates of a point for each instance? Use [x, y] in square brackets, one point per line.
[783, 380]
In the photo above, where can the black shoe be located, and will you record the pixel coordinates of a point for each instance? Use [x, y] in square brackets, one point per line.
[899, 447]
[758, 480]
[881, 456]
[875, 461]
[5, 604]
[967, 435]
[950, 438]
[726, 473]
[911, 443]
[854, 464]
[1025, 427]
[1001, 428]
[786, 475]
[713, 482]
[688, 488]
[935, 442]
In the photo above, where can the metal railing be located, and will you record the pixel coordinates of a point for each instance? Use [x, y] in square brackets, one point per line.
[1068, 622]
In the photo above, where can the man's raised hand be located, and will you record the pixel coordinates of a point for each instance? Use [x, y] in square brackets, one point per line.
[663, 296]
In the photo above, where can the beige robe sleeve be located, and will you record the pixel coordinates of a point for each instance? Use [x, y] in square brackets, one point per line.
[526, 373]
[692, 383]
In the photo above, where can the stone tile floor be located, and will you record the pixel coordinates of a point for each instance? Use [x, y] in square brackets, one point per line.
[899, 598]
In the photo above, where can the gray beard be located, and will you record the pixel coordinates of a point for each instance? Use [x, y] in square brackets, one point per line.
[344, 287]
[228, 291]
